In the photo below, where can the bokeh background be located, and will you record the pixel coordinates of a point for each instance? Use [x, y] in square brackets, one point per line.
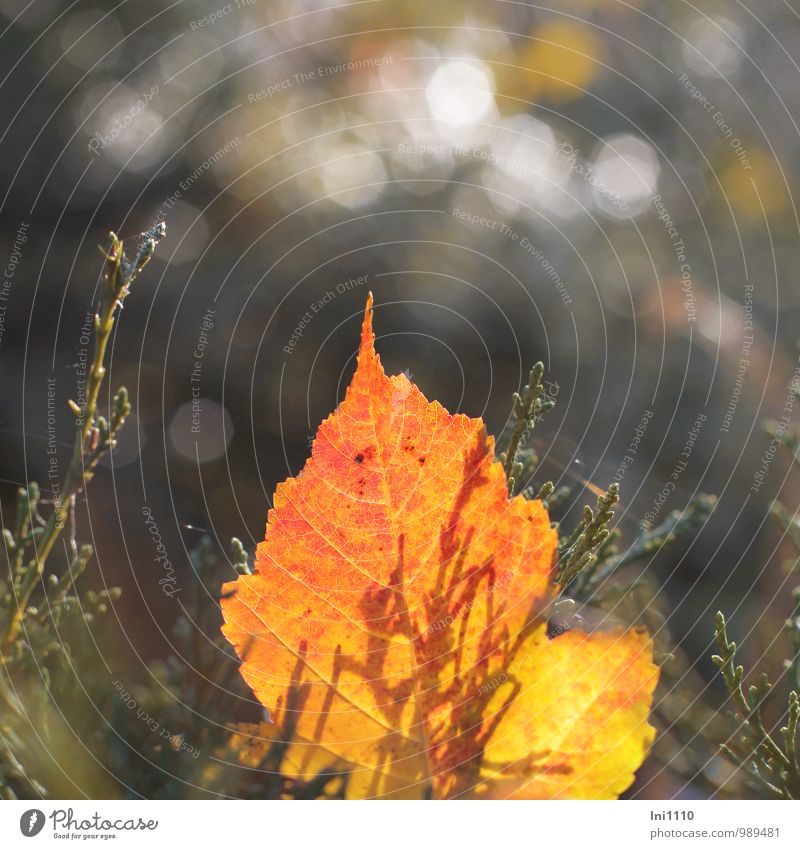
[606, 186]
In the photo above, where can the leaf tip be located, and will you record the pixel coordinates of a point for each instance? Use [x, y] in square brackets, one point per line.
[367, 334]
[367, 349]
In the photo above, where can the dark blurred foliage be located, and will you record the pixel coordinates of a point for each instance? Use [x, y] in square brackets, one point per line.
[295, 146]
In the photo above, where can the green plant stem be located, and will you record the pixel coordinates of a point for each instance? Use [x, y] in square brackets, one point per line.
[781, 764]
[95, 436]
[528, 409]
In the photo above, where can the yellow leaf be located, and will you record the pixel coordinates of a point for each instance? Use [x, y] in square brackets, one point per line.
[396, 585]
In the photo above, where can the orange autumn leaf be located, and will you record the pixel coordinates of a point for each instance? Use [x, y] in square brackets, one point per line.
[394, 626]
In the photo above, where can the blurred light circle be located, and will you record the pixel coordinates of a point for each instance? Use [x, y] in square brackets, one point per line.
[144, 146]
[201, 430]
[523, 166]
[460, 92]
[528, 146]
[85, 36]
[420, 152]
[354, 176]
[563, 59]
[125, 124]
[624, 175]
[191, 64]
[711, 46]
